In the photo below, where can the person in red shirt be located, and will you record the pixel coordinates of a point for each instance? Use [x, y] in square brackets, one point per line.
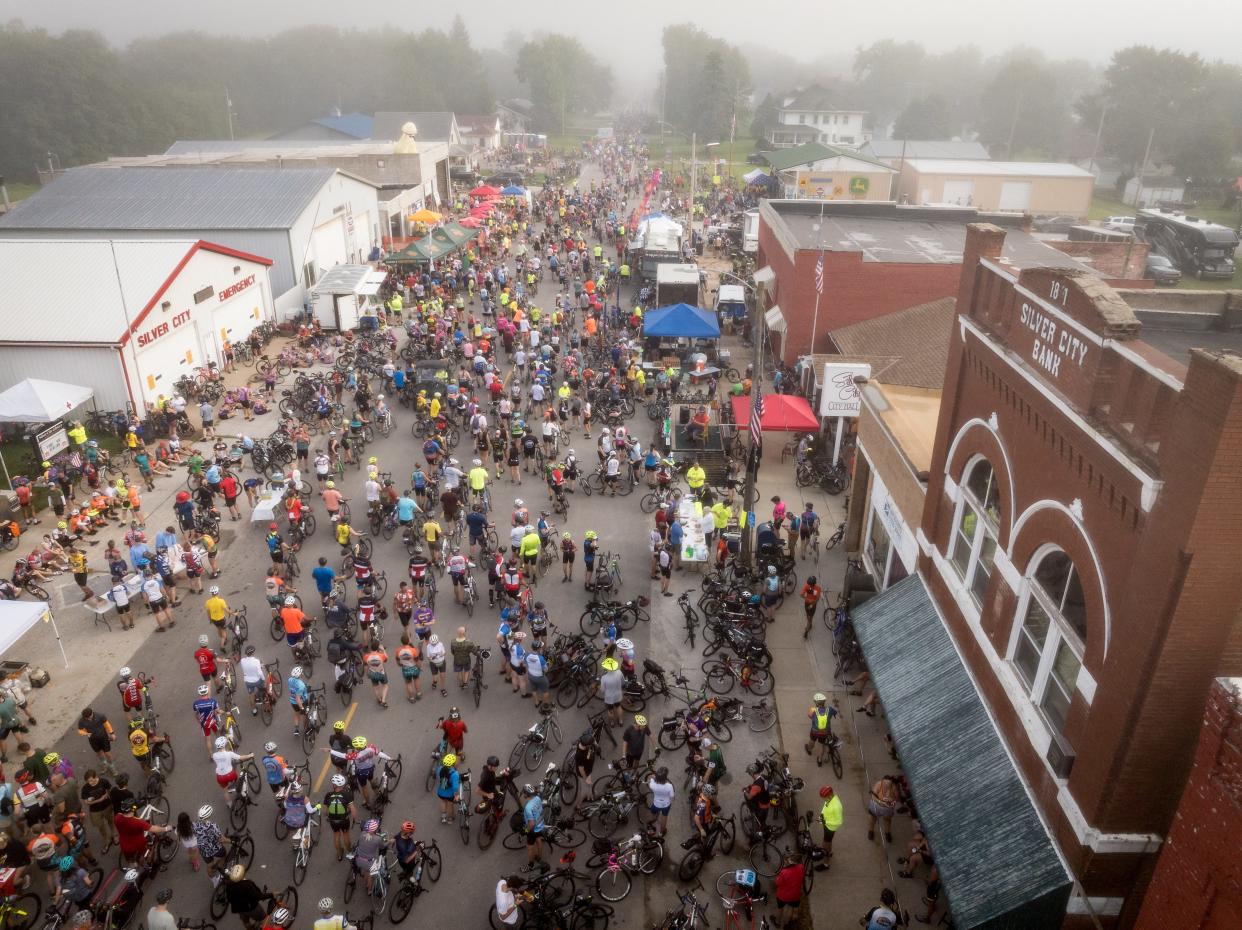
[230, 489]
[789, 891]
[455, 730]
[132, 832]
[25, 499]
[206, 660]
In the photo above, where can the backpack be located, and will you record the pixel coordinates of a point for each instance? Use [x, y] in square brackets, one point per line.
[337, 805]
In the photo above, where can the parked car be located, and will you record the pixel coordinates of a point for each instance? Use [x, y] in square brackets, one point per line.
[755, 158]
[1161, 270]
[1119, 223]
[505, 178]
[1060, 223]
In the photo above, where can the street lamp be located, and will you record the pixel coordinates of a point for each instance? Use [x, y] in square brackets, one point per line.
[694, 175]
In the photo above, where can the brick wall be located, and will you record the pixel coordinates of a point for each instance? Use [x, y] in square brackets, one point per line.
[1109, 259]
[1198, 879]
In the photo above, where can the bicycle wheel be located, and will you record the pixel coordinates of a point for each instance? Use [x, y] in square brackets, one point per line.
[280, 827]
[514, 841]
[534, 754]
[765, 858]
[351, 884]
[219, 902]
[650, 501]
[567, 837]
[650, 857]
[167, 756]
[720, 730]
[604, 822]
[728, 835]
[719, 677]
[276, 630]
[494, 921]
[613, 884]
[308, 739]
[761, 718]
[402, 901]
[239, 813]
[162, 810]
[838, 768]
[487, 831]
[166, 848]
[590, 622]
[691, 865]
[265, 712]
[301, 860]
[463, 826]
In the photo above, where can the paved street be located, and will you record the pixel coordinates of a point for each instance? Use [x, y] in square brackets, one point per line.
[466, 890]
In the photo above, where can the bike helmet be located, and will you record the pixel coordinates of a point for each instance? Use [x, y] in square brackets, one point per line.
[291, 601]
[43, 847]
[183, 496]
[771, 569]
[296, 671]
[826, 792]
[250, 650]
[66, 863]
[280, 916]
[272, 527]
[339, 781]
[518, 502]
[418, 550]
[372, 461]
[62, 525]
[640, 720]
[326, 905]
[434, 640]
[819, 697]
[591, 534]
[163, 896]
[204, 690]
[269, 746]
[331, 484]
[572, 452]
[359, 742]
[492, 761]
[450, 759]
[213, 591]
[454, 713]
[477, 462]
[371, 826]
[339, 726]
[610, 664]
[528, 789]
[625, 645]
[811, 579]
[222, 743]
[202, 640]
[754, 769]
[567, 536]
[607, 431]
[407, 826]
[237, 872]
[205, 812]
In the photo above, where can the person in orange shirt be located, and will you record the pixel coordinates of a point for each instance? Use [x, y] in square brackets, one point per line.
[407, 661]
[375, 658]
[590, 326]
[135, 504]
[293, 621]
[811, 593]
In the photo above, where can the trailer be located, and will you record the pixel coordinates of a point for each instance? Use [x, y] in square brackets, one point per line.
[677, 284]
[657, 242]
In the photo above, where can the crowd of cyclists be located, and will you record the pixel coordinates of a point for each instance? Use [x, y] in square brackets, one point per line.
[514, 390]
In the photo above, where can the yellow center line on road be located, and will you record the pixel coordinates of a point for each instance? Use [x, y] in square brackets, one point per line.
[327, 763]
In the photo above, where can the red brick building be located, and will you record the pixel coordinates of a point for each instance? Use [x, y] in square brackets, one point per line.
[1077, 592]
[878, 258]
[1198, 880]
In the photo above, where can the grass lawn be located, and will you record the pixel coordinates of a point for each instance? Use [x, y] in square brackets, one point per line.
[18, 453]
[20, 190]
[1103, 205]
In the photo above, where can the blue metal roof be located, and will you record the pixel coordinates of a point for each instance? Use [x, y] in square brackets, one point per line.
[95, 197]
[358, 125]
[998, 864]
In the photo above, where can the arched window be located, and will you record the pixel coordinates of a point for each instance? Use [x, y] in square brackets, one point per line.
[975, 531]
[1052, 636]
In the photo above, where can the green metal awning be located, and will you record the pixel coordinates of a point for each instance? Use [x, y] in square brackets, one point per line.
[998, 864]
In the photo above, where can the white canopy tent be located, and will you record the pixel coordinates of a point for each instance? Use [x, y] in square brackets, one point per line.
[37, 401]
[16, 617]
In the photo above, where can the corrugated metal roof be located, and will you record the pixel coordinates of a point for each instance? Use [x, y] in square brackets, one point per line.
[41, 303]
[97, 197]
[293, 146]
[358, 125]
[997, 862]
[435, 126]
[925, 148]
[1039, 169]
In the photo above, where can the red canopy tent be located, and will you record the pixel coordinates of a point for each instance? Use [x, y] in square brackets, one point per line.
[484, 190]
[471, 222]
[780, 412]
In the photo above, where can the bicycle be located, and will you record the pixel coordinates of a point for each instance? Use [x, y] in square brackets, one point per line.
[767, 858]
[248, 784]
[237, 631]
[463, 808]
[477, 684]
[532, 744]
[699, 849]
[19, 912]
[427, 861]
[761, 717]
[689, 914]
[640, 854]
[727, 670]
[273, 688]
[305, 839]
[227, 725]
[316, 715]
[379, 870]
[385, 784]
[239, 851]
[739, 894]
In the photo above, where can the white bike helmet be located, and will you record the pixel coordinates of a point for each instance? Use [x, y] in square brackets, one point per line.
[338, 781]
[204, 690]
[202, 640]
[269, 747]
[125, 672]
[222, 742]
[296, 672]
[214, 590]
[205, 812]
[326, 905]
[291, 601]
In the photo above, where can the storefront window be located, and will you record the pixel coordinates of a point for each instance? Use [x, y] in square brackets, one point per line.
[974, 537]
[1050, 642]
[878, 546]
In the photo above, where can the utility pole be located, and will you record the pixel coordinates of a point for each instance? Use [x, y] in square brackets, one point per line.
[1013, 126]
[757, 330]
[1099, 132]
[228, 106]
[694, 177]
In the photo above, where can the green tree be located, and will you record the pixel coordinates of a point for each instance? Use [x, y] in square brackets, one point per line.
[687, 52]
[885, 74]
[765, 117]
[564, 79]
[927, 117]
[1023, 109]
[714, 107]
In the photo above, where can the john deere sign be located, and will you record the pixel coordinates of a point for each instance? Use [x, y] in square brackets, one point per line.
[859, 186]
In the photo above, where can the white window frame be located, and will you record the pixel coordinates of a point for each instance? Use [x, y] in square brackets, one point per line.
[984, 527]
[878, 572]
[1059, 631]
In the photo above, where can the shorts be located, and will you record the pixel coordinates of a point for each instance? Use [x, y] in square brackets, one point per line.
[99, 742]
[278, 557]
[254, 687]
[459, 578]
[225, 780]
[410, 672]
[530, 559]
[80, 578]
[461, 666]
[609, 706]
[659, 811]
[769, 600]
[666, 571]
[534, 837]
[809, 608]
[518, 669]
[294, 638]
[437, 668]
[339, 824]
[230, 501]
[363, 776]
[422, 633]
[122, 608]
[193, 572]
[206, 676]
[156, 605]
[540, 684]
[876, 809]
[378, 678]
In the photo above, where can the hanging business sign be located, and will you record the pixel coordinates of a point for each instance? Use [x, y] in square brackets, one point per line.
[840, 393]
[52, 440]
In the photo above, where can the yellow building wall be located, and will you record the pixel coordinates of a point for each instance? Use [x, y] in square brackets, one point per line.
[1048, 195]
[844, 185]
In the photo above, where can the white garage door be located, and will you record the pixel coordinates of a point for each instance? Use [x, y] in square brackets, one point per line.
[235, 319]
[959, 192]
[166, 360]
[328, 247]
[1015, 195]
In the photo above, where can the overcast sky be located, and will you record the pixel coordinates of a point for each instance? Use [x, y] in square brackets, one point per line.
[806, 29]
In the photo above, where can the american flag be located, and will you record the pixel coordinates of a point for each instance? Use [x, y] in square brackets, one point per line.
[756, 415]
[819, 274]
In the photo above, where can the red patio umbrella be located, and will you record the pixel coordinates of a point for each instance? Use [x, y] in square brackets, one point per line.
[781, 412]
[484, 190]
[470, 222]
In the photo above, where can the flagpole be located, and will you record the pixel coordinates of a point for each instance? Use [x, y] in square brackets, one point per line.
[819, 278]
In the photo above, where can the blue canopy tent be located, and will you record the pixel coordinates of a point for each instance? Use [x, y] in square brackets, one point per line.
[513, 191]
[681, 321]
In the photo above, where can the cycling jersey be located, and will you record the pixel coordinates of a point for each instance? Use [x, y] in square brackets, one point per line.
[362, 569]
[205, 710]
[457, 564]
[418, 568]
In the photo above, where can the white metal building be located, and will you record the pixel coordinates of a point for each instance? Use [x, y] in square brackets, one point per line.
[130, 317]
[305, 219]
